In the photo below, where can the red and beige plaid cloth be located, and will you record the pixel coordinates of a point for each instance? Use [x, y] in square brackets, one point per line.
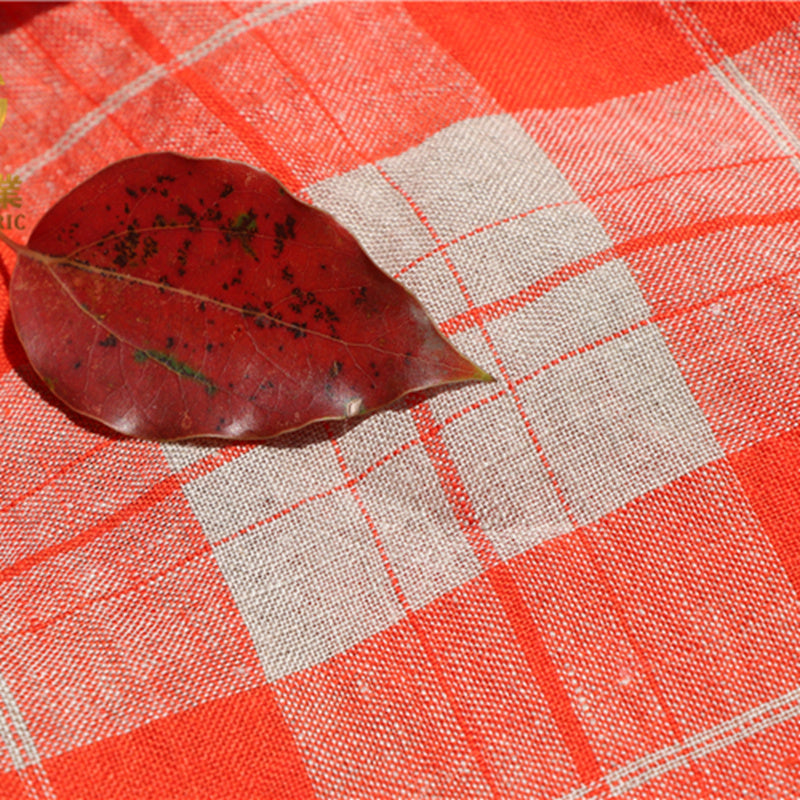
[579, 582]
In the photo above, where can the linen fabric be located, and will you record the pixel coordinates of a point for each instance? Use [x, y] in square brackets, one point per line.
[580, 581]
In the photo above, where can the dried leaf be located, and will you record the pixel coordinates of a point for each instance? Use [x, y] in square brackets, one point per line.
[173, 297]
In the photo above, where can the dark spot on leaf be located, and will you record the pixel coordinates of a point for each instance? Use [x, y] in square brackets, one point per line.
[170, 342]
[287, 275]
[187, 211]
[226, 190]
[131, 191]
[77, 365]
[209, 347]
[183, 252]
[109, 341]
[225, 286]
[335, 369]
[150, 248]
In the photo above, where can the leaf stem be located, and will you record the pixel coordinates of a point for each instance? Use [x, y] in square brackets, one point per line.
[15, 246]
[21, 250]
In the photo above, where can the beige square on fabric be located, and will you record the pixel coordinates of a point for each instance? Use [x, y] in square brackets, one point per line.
[476, 172]
[579, 312]
[260, 484]
[515, 499]
[616, 422]
[502, 260]
[309, 585]
[423, 541]
[376, 214]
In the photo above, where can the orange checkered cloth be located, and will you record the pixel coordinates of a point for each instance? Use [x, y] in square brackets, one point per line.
[579, 582]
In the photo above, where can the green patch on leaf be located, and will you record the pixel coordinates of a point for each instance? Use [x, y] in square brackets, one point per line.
[178, 367]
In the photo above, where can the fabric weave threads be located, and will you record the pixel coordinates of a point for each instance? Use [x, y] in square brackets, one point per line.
[580, 581]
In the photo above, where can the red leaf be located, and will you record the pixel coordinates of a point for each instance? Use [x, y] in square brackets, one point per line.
[172, 297]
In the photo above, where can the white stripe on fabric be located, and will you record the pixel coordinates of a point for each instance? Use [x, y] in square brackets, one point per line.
[734, 82]
[11, 723]
[693, 748]
[92, 119]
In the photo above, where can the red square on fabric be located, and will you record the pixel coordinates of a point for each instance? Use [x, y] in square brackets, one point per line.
[108, 563]
[571, 602]
[46, 433]
[11, 353]
[768, 75]
[88, 490]
[705, 596]
[687, 207]
[676, 156]
[770, 476]
[382, 84]
[81, 71]
[497, 691]
[548, 55]
[737, 26]
[774, 758]
[740, 356]
[378, 721]
[301, 130]
[13, 787]
[716, 265]
[234, 747]
[121, 660]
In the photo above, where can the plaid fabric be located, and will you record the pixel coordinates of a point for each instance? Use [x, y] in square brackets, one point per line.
[581, 581]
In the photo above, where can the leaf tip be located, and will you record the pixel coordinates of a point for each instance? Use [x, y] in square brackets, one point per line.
[483, 376]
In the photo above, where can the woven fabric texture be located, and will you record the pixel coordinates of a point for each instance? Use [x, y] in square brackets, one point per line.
[580, 581]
